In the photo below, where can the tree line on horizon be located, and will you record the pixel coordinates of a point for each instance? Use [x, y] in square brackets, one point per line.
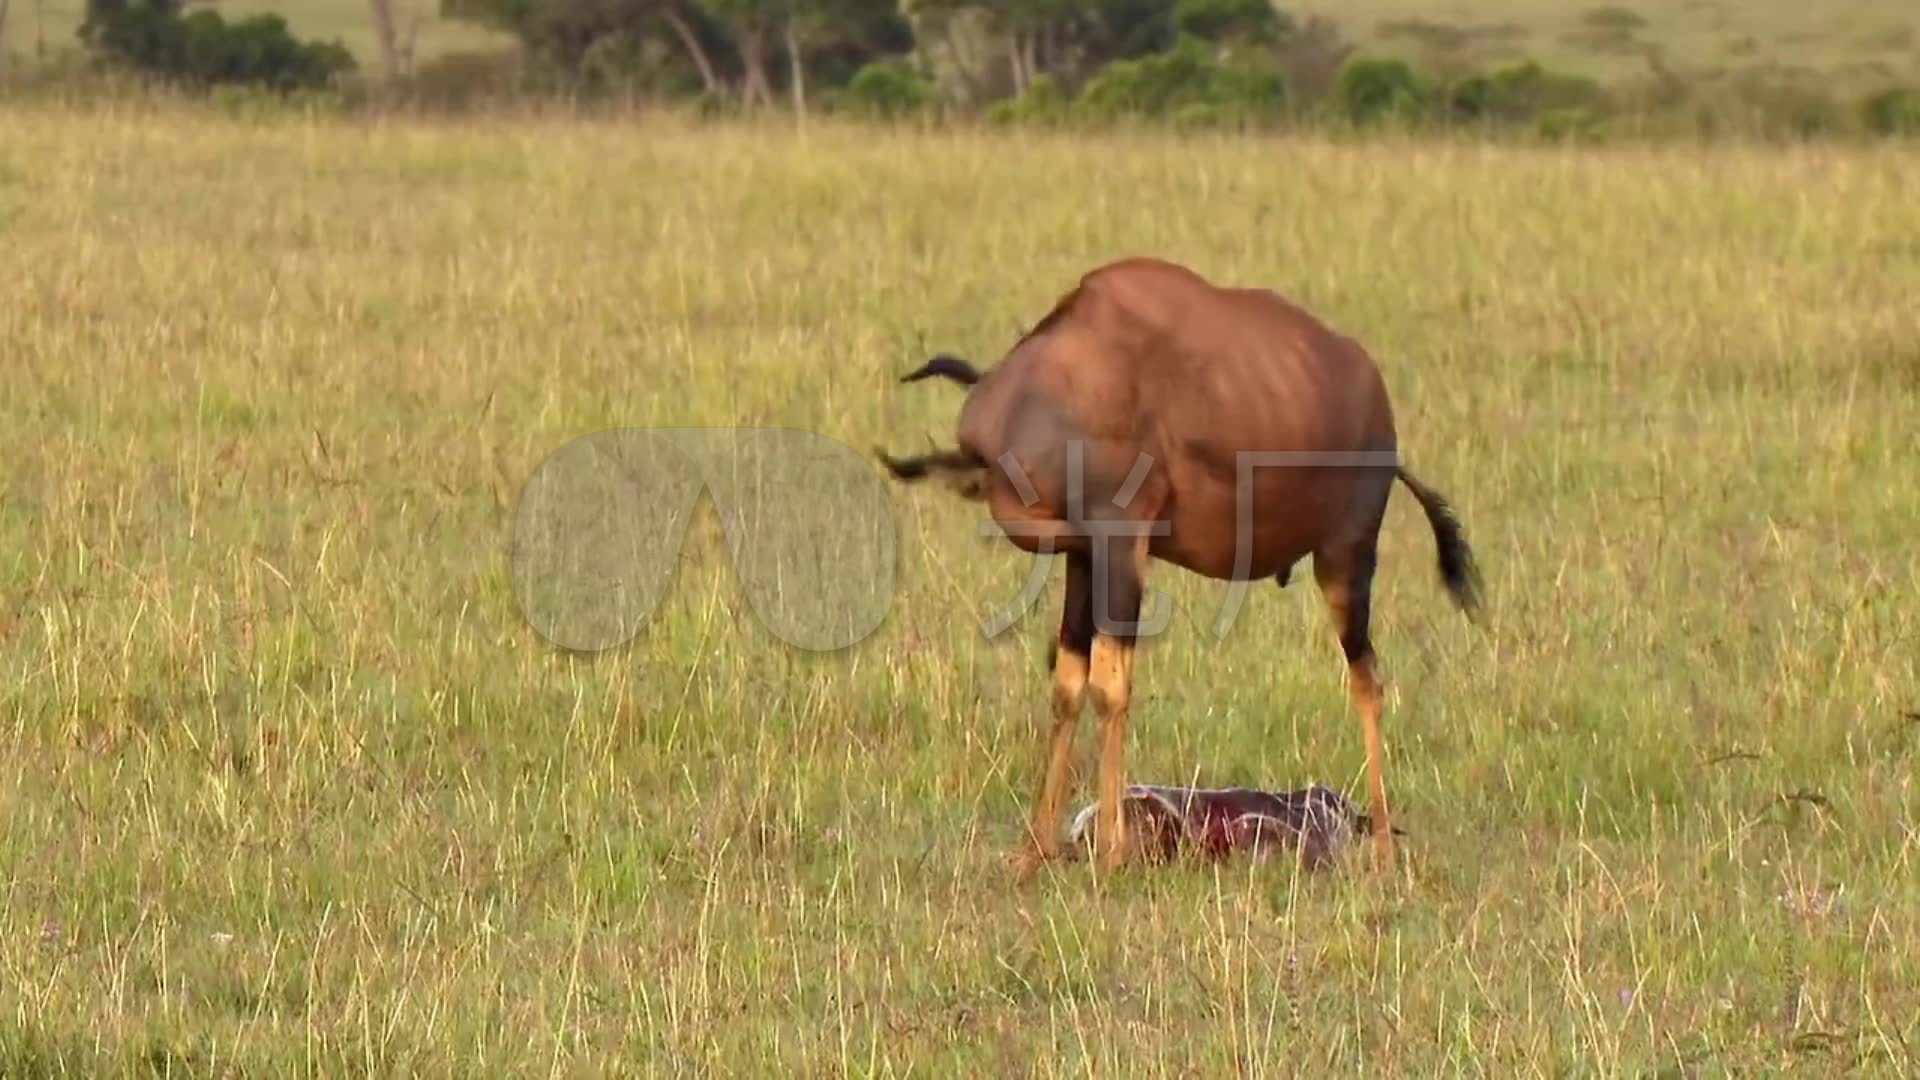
[1192, 62]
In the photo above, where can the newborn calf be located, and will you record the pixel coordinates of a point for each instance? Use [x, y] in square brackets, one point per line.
[1213, 823]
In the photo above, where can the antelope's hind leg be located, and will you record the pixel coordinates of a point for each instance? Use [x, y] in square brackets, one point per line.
[1119, 584]
[1071, 660]
[1345, 576]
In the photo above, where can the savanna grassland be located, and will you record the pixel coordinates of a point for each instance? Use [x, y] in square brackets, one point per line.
[291, 787]
[1829, 46]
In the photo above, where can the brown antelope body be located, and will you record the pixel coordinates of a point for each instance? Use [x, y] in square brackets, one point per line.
[1127, 426]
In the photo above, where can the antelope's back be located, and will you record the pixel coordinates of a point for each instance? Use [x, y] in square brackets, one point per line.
[1146, 343]
[1145, 356]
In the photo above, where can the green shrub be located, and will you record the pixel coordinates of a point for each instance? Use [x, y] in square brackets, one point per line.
[1150, 85]
[250, 101]
[1895, 111]
[1187, 75]
[1576, 122]
[1215, 115]
[1381, 89]
[259, 50]
[1248, 91]
[713, 105]
[887, 88]
[204, 50]
[1043, 103]
[1522, 93]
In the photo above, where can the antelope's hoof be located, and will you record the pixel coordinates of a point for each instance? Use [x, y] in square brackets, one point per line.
[1027, 861]
[1383, 852]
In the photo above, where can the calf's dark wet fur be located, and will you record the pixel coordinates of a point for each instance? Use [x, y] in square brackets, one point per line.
[1165, 822]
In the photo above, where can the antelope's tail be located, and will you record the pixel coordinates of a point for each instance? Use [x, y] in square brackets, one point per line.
[924, 465]
[1457, 569]
[947, 366]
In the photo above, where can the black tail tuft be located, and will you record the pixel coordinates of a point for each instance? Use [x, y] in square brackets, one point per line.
[1457, 569]
[917, 468]
[945, 365]
[964, 473]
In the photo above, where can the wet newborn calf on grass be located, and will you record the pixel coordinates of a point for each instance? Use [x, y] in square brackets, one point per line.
[1315, 824]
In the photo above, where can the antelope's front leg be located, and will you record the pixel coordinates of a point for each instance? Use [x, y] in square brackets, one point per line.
[1043, 831]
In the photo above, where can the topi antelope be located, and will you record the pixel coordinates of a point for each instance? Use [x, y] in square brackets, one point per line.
[1141, 418]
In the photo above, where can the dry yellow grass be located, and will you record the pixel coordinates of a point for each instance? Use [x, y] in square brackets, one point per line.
[292, 788]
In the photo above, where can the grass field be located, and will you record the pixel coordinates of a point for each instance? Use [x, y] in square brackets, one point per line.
[291, 786]
[1851, 46]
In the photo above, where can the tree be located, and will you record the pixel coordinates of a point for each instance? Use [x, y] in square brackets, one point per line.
[560, 33]
[1034, 30]
[751, 24]
[860, 28]
[1246, 22]
[680, 16]
[396, 41]
[1064, 40]
[1110, 30]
